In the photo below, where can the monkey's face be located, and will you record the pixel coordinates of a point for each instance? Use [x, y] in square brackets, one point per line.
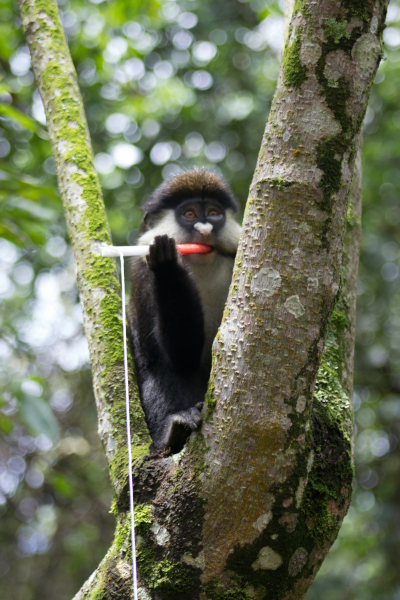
[202, 221]
[195, 221]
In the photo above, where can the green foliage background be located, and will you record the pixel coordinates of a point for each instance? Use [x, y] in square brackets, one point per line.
[166, 85]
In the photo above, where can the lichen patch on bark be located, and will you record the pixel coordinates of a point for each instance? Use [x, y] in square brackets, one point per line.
[267, 559]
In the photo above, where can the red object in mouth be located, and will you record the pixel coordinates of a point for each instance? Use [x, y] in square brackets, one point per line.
[184, 249]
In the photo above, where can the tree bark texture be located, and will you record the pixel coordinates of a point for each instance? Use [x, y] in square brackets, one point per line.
[252, 505]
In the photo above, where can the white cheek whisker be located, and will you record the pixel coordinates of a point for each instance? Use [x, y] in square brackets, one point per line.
[167, 224]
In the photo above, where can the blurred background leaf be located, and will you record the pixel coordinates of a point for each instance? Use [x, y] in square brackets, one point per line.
[38, 417]
[18, 117]
[167, 85]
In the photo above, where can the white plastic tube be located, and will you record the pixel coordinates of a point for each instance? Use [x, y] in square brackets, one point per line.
[183, 249]
[115, 251]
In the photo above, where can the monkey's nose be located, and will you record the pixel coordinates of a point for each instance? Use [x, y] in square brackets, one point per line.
[204, 228]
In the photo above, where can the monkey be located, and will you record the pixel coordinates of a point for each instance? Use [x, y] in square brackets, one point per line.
[177, 302]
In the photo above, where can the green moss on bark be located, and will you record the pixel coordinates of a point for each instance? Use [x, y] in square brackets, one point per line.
[280, 183]
[143, 518]
[300, 6]
[98, 594]
[328, 491]
[330, 152]
[119, 464]
[163, 576]
[360, 8]
[217, 590]
[331, 167]
[352, 220]
[70, 129]
[336, 30]
[210, 401]
[294, 72]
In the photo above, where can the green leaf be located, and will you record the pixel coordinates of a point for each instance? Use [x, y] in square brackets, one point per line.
[33, 209]
[38, 416]
[17, 116]
[63, 486]
[6, 425]
[8, 232]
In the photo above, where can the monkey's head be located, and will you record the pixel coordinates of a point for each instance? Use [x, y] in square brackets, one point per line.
[197, 207]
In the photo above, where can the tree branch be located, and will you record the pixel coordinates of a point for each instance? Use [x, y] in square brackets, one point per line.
[286, 284]
[79, 186]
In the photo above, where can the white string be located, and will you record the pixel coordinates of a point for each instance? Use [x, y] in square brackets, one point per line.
[128, 435]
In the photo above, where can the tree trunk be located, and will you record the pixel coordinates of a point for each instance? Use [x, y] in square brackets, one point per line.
[252, 505]
[88, 229]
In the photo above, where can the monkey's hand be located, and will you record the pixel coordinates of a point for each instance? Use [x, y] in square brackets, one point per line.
[162, 252]
[180, 426]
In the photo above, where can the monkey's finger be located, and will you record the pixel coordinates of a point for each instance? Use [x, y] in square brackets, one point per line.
[159, 248]
[190, 424]
[197, 420]
[152, 256]
[185, 420]
[167, 248]
[195, 417]
[199, 405]
[179, 419]
[173, 249]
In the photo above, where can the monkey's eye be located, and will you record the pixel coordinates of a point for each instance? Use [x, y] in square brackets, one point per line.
[189, 214]
[213, 213]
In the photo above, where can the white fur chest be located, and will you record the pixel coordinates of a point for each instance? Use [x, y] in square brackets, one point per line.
[212, 282]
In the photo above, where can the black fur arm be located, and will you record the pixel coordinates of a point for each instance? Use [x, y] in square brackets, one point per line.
[180, 318]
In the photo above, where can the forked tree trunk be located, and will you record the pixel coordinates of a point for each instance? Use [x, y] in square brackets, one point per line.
[254, 502]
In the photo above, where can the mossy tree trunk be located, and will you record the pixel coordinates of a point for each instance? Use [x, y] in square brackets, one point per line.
[88, 229]
[254, 502]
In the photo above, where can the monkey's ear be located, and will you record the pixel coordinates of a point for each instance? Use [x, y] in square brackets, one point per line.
[146, 223]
